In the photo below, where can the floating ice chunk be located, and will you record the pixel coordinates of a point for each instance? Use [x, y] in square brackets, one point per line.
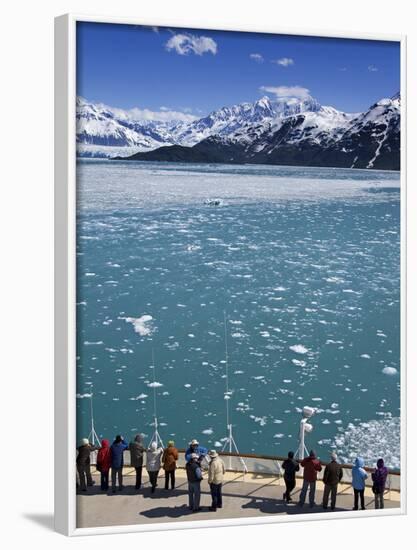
[142, 396]
[191, 335]
[217, 444]
[278, 436]
[99, 343]
[187, 385]
[371, 440]
[155, 385]
[299, 363]
[334, 280]
[299, 348]
[83, 395]
[142, 325]
[391, 371]
[365, 356]
[208, 431]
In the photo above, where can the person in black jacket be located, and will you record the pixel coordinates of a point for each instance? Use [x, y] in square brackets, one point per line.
[290, 467]
[333, 474]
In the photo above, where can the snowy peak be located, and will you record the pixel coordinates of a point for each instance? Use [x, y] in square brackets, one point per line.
[269, 130]
[103, 126]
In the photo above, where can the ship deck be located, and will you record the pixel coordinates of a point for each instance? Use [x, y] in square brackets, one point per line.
[251, 495]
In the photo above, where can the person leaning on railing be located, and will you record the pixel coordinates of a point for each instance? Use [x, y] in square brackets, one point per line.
[117, 449]
[311, 466]
[379, 478]
[103, 464]
[153, 463]
[136, 458]
[169, 461]
[359, 476]
[83, 463]
[290, 467]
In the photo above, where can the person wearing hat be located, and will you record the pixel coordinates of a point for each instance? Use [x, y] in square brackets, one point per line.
[137, 451]
[332, 476]
[216, 471]
[195, 448]
[311, 466]
[169, 460]
[83, 463]
[194, 477]
[117, 449]
[290, 467]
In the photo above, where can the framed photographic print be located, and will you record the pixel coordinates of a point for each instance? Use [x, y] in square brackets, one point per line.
[229, 253]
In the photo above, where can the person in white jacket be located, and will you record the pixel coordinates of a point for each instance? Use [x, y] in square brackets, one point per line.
[216, 471]
[153, 463]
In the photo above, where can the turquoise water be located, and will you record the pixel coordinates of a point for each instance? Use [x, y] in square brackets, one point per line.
[306, 265]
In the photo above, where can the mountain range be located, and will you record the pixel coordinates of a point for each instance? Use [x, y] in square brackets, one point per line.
[290, 131]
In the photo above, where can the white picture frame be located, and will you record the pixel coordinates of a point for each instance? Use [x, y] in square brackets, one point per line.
[65, 278]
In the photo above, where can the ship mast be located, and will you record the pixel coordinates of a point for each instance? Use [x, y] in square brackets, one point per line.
[229, 443]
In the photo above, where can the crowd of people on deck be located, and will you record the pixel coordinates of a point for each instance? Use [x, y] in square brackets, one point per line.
[199, 460]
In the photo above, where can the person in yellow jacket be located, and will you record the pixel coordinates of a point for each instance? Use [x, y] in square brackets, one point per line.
[216, 472]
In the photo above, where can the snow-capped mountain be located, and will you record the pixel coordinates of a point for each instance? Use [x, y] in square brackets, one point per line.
[321, 136]
[228, 120]
[103, 130]
[372, 140]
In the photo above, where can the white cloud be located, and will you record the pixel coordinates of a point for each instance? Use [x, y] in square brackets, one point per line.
[372, 68]
[185, 44]
[165, 114]
[284, 61]
[257, 57]
[287, 91]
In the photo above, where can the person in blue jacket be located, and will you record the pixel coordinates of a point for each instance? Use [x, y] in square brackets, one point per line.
[358, 482]
[117, 449]
[195, 448]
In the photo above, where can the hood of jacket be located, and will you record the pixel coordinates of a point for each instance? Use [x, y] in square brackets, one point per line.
[105, 443]
[359, 462]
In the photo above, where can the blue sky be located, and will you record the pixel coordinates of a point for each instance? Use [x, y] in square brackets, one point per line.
[197, 71]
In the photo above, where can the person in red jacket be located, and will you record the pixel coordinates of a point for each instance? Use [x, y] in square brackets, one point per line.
[104, 463]
[311, 466]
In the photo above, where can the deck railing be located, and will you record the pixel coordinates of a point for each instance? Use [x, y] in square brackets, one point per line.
[270, 465]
